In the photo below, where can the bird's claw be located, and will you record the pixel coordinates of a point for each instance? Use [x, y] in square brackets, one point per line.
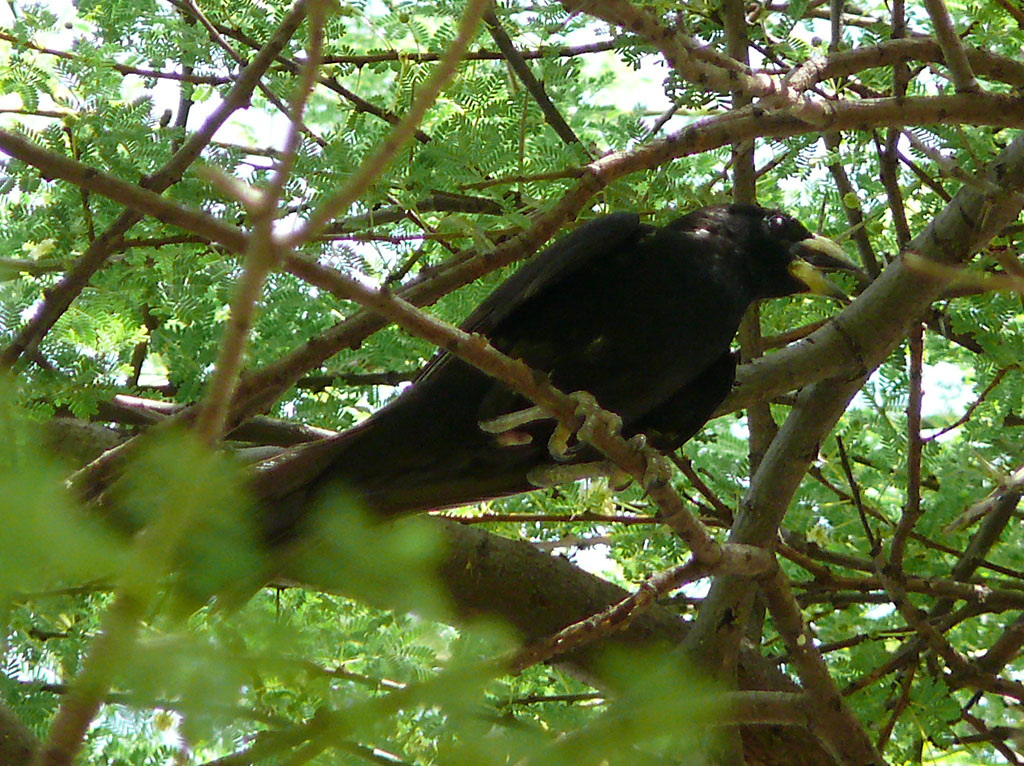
[558, 444]
[658, 470]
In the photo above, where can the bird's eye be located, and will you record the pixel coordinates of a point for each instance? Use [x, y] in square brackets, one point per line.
[777, 224]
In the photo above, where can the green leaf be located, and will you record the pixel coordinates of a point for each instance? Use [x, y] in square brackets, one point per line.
[46, 537]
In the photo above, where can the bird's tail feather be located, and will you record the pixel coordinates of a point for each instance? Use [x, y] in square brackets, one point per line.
[388, 472]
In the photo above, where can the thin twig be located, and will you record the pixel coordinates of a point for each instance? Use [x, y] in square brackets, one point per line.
[852, 208]
[855, 494]
[533, 86]
[749, 561]
[122, 68]
[263, 252]
[421, 57]
[685, 465]
[912, 510]
[1006, 751]
[964, 672]
[926, 179]
[547, 518]
[1005, 648]
[963, 419]
[949, 167]
[906, 686]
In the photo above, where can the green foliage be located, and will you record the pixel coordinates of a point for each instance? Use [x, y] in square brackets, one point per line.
[349, 546]
[196, 519]
[47, 540]
[373, 658]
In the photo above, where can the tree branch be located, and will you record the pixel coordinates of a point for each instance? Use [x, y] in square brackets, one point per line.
[956, 58]
[535, 88]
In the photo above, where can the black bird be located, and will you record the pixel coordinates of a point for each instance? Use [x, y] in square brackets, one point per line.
[640, 317]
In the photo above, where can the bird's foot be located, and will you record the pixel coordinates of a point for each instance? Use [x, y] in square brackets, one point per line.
[544, 476]
[658, 473]
[593, 417]
[552, 475]
[658, 470]
[513, 420]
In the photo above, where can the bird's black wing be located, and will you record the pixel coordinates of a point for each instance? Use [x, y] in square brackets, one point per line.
[644, 318]
[549, 268]
[683, 414]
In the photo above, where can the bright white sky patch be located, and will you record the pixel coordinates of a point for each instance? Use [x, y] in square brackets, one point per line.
[879, 611]
[595, 559]
[945, 390]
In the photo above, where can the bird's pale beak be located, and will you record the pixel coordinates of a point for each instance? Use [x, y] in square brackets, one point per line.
[824, 253]
[813, 254]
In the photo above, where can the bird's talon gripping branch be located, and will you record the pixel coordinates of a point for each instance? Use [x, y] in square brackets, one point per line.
[586, 404]
[658, 472]
[594, 417]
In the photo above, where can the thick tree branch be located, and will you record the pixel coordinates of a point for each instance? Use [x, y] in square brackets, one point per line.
[17, 744]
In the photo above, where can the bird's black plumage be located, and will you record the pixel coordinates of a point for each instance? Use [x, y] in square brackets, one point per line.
[641, 317]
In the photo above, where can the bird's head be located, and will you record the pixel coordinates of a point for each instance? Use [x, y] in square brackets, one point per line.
[783, 256]
[773, 252]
